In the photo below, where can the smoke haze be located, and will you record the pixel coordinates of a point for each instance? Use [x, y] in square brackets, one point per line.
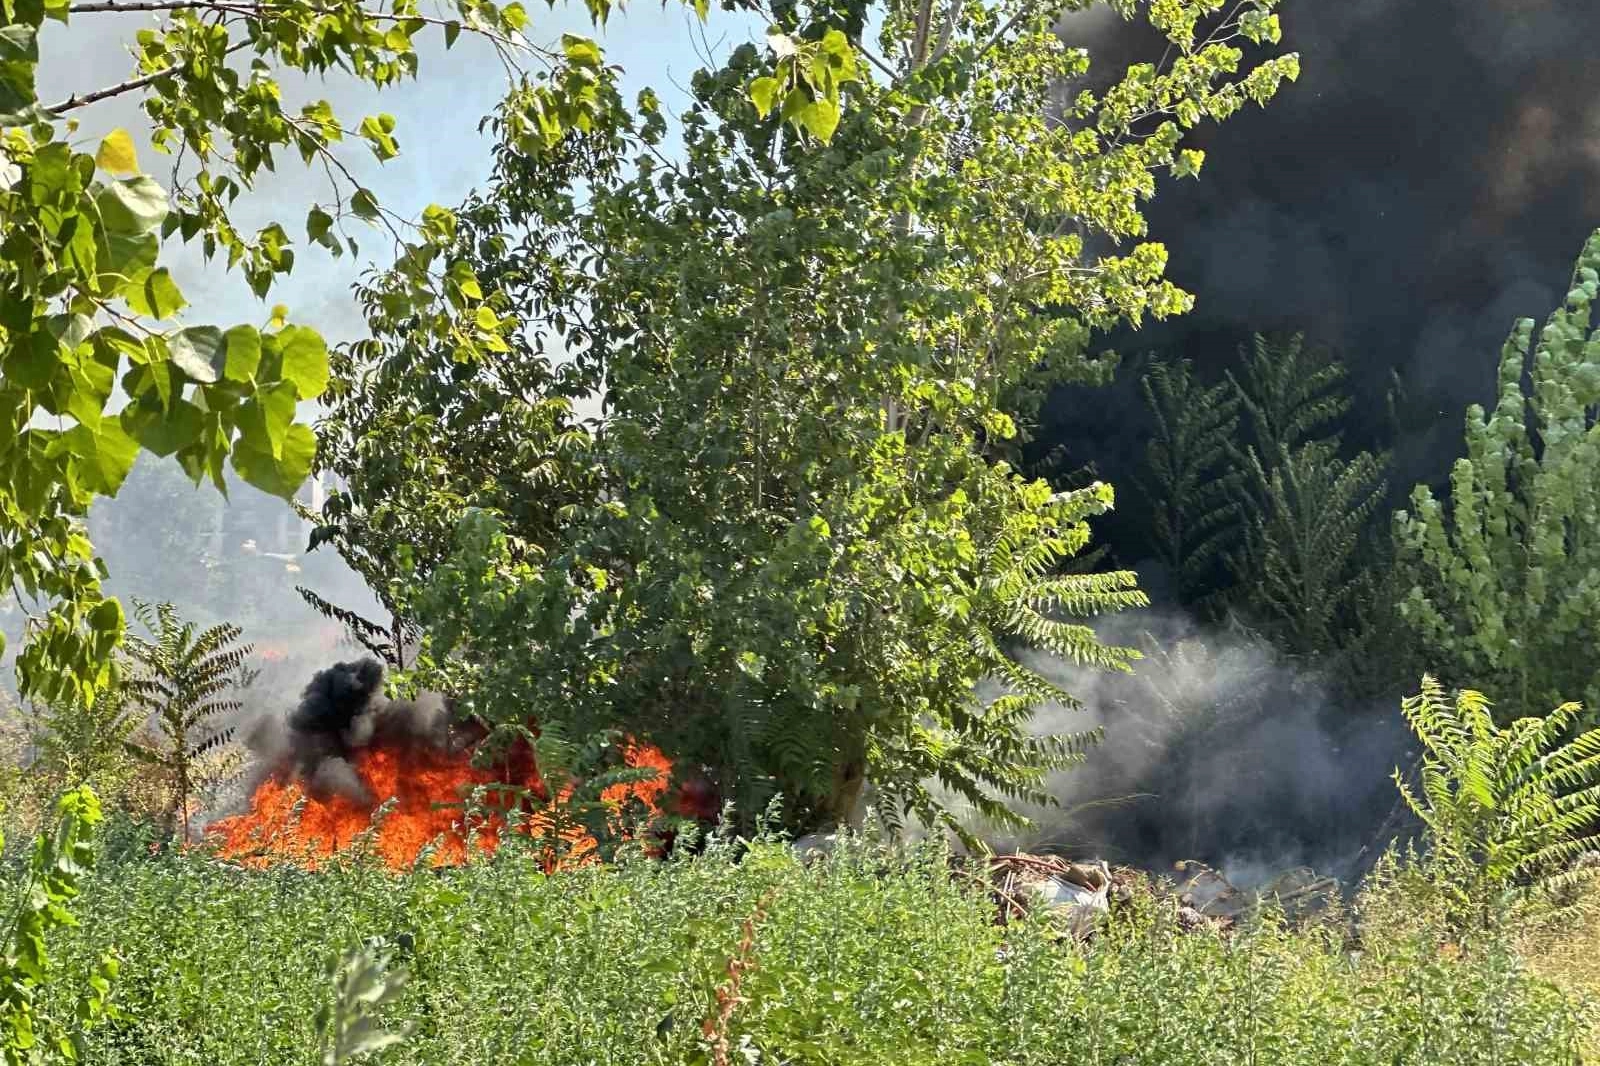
[1215, 749]
[1430, 178]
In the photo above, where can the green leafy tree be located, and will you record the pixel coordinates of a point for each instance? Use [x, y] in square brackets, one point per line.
[183, 678]
[1190, 479]
[787, 551]
[1505, 575]
[1304, 561]
[1308, 560]
[53, 879]
[86, 306]
[1506, 810]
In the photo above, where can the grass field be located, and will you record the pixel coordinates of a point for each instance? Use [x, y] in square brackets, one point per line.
[862, 958]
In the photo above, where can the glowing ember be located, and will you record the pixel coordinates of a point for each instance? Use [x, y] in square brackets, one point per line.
[285, 823]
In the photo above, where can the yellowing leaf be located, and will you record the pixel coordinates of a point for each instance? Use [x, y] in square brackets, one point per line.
[821, 118]
[117, 154]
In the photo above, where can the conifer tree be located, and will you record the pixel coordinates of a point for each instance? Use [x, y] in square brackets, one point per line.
[1189, 479]
[1289, 392]
[1505, 576]
[1300, 554]
[1307, 560]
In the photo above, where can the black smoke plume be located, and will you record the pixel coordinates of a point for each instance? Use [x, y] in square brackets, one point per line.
[341, 711]
[1430, 178]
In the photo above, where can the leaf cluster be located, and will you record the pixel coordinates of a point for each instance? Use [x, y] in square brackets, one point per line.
[30, 1032]
[182, 678]
[1506, 810]
[1504, 575]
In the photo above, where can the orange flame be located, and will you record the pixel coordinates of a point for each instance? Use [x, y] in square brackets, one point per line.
[424, 789]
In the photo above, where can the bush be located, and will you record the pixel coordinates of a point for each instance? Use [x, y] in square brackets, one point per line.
[866, 957]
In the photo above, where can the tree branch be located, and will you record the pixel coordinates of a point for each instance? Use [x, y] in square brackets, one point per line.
[262, 10]
[946, 32]
[75, 101]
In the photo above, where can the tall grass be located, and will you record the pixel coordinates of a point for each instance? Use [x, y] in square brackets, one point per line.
[862, 958]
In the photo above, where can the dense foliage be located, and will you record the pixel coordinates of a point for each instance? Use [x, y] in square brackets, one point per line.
[1191, 475]
[88, 310]
[1504, 575]
[863, 958]
[43, 1020]
[789, 550]
[1507, 810]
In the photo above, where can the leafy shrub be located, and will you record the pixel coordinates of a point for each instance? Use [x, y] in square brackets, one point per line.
[50, 880]
[182, 678]
[865, 957]
[1504, 810]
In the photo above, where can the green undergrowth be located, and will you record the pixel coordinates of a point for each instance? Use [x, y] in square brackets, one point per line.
[862, 958]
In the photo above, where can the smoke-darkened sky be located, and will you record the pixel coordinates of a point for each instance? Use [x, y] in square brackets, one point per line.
[1430, 179]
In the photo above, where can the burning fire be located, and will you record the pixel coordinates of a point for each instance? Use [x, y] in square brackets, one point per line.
[423, 788]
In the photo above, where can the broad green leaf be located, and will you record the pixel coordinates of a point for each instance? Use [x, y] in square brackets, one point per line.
[264, 419]
[197, 351]
[318, 223]
[821, 118]
[107, 617]
[465, 280]
[835, 43]
[132, 207]
[305, 360]
[117, 154]
[157, 295]
[283, 476]
[34, 363]
[104, 456]
[163, 433]
[243, 345]
[91, 386]
[125, 259]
